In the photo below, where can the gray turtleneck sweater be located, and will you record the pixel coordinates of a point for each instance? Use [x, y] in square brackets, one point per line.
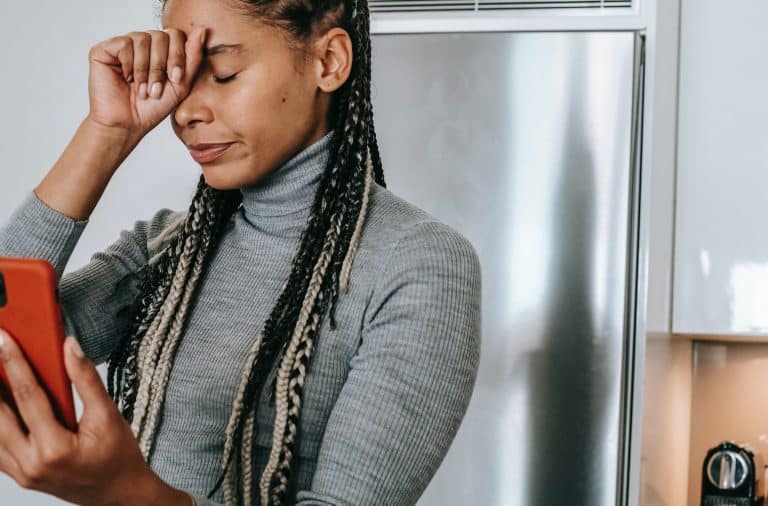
[385, 392]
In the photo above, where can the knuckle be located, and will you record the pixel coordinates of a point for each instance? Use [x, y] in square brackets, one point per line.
[23, 481]
[32, 473]
[142, 40]
[156, 76]
[24, 391]
[53, 456]
[173, 31]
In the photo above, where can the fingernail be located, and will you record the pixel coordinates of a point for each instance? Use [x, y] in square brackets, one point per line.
[3, 335]
[143, 90]
[155, 92]
[176, 75]
[76, 347]
[202, 36]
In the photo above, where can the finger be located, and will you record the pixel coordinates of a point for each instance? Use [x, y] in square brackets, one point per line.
[142, 43]
[117, 51]
[194, 50]
[12, 437]
[86, 379]
[177, 56]
[31, 400]
[9, 465]
[158, 62]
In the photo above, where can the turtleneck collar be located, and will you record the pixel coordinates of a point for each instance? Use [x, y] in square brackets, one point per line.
[288, 192]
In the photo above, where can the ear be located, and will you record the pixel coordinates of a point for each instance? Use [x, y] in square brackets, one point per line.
[334, 59]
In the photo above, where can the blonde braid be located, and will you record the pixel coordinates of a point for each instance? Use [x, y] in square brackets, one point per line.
[237, 408]
[355, 241]
[281, 394]
[149, 354]
[299, 365]
[247, 458]
[162, 372]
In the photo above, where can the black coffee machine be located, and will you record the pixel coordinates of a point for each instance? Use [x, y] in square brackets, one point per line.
[732, 476]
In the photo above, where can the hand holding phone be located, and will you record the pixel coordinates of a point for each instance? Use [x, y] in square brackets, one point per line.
[100, 463]
[30, 313]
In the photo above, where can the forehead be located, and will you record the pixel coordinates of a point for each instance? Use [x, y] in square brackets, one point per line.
[219, 17]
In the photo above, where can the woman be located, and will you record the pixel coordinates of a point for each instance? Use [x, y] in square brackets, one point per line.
[300, 335]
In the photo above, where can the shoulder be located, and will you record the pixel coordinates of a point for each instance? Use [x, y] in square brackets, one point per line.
[164, 222]
[411, 242]
[163, 226]
[428, 278]
[398, 226]
[154, 232]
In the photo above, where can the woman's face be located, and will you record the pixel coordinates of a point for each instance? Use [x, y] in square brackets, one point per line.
[271, 109]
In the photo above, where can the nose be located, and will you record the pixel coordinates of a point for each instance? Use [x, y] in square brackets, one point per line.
[193, 108]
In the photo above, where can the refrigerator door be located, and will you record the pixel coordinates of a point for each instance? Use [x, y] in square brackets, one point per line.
[523, 143]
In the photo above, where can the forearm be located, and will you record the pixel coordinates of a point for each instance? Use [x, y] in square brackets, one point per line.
[79, 177]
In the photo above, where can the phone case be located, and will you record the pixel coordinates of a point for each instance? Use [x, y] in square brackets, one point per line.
[30, 312]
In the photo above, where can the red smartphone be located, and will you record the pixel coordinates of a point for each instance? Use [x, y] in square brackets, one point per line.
[31, 314]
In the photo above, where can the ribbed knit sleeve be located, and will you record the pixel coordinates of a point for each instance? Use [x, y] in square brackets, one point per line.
[412, 378]
[95, 298]
[35, 230]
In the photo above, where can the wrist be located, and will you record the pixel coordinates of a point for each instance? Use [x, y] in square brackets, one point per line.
[117, 140]
[155, 492]
[166, 495]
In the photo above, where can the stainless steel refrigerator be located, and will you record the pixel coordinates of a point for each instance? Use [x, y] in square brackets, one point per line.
[526, 143]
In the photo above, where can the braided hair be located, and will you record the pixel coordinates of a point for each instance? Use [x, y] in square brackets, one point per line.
[140, 365]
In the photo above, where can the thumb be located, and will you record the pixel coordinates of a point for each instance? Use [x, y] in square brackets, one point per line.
[84, 376]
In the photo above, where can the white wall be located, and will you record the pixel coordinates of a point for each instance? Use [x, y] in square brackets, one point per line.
[44, 97]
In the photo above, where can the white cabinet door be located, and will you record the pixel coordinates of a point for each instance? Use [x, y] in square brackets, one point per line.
[721, 254]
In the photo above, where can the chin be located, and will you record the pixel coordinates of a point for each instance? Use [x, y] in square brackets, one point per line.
[220, 180]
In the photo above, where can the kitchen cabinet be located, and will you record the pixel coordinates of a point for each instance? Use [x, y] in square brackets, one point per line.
[721, 237]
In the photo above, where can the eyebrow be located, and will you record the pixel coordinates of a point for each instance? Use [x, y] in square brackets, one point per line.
[222, 48]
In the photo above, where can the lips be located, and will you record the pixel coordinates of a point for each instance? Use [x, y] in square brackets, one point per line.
[203, 153]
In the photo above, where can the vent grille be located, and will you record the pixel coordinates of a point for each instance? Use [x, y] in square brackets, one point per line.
[562, 4]
[484, 5]
[421, 5]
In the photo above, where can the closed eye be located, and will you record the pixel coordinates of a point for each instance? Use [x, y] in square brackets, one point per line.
[224, 79]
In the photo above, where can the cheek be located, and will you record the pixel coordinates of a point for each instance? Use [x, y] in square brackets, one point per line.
[297, 98]
[268, 91]
[285, 84]
[269, 97]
